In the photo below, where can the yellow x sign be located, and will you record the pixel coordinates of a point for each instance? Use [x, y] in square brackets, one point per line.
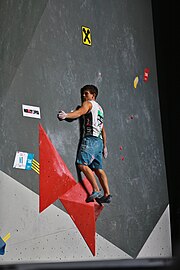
[86, 36]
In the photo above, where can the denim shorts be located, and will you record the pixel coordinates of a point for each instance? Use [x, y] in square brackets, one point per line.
[90, 152]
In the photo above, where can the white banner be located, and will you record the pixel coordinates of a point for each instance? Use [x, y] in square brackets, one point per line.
[31, 111]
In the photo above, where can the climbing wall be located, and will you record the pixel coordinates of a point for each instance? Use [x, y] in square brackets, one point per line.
[48, 51]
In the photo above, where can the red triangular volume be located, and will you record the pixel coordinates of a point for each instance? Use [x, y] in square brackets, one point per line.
[82, 215]
[55, 177]
[79, 194]
[97, 208]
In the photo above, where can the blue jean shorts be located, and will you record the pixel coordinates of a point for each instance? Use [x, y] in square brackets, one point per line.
[90, 152]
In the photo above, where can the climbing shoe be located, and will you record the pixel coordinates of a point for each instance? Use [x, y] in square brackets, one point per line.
[94, 195]
[105, 199]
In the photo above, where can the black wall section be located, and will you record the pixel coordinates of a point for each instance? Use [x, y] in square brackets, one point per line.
[166, 28]
[143, 264]
[54, 67]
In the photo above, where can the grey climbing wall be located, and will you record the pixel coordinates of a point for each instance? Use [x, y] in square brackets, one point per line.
[44, 63]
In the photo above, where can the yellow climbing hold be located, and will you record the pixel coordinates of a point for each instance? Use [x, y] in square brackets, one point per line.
[136, 80]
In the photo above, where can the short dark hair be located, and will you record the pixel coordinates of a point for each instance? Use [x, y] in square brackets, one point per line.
[91, 88]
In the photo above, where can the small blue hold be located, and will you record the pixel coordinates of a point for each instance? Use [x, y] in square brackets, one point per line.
[2, 246]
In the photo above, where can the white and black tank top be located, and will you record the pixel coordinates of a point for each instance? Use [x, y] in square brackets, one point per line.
[93, 121]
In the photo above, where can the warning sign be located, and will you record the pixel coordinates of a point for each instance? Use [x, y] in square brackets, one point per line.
[86, 36]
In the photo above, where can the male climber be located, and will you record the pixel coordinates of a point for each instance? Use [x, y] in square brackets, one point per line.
[93, 145]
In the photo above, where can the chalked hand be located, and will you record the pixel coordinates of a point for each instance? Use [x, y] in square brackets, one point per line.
[61, 115]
